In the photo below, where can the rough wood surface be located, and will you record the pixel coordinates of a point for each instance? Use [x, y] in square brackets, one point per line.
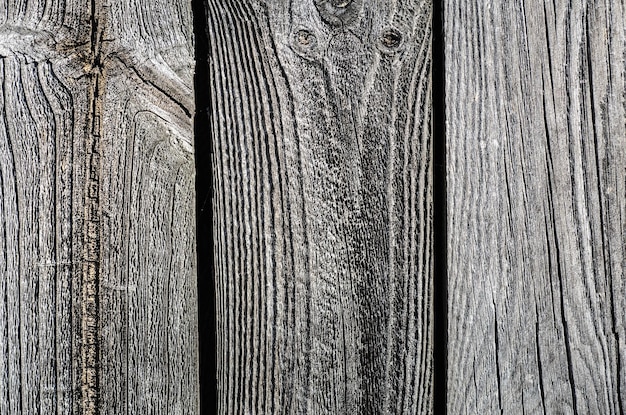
[97, 252]
[536, 139]
[322, 205]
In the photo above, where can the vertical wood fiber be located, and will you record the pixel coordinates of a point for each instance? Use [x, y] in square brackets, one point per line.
[536, 148]
[320, 123]
[97, 240]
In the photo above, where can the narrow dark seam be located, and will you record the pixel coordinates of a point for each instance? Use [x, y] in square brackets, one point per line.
[440, 274]
[203, 139]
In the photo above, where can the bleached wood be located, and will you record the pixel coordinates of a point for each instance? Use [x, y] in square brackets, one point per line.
[322, 162]
[536, 148]
[97, 239]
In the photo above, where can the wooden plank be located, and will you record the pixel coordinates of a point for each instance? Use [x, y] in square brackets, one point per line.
[97, 295]
[536, 141]
[320, 122]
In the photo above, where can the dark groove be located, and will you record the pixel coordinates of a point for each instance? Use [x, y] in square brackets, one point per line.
[204, 217]
[540, 367]
[162, 90]
[497, 347]
[440, 254]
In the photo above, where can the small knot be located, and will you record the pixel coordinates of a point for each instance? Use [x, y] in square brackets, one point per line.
[304, 42]
[390, 39]
[338, 12]
[305, 38]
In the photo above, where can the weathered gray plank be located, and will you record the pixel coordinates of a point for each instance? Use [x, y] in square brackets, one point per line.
[322, 204]
[97, 286]
[536, 139]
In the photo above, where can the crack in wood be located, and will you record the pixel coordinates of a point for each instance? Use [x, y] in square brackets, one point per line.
[96, 209]
[92, 226]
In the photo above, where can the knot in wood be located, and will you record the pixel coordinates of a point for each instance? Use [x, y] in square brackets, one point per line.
[305, 38]
[390, 39]
[304, 42]
[340, 4]
[338, 12]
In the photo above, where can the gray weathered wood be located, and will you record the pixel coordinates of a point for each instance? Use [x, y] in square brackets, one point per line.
[322, 205]
[536, 141]
[97, 240]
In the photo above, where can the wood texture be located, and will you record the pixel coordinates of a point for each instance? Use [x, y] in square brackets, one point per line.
[322, 204]
[97, 263]
[536, 142]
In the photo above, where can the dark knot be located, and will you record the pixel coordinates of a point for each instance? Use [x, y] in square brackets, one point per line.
[338, 12]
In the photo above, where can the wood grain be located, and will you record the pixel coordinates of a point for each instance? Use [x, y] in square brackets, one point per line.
[536, 142]
[320, 122]
[97, 295]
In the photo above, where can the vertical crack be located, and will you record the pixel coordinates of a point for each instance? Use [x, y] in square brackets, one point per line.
[204, 218]
[539, 365]
[440, 211]
[497, 346]
[92, 225]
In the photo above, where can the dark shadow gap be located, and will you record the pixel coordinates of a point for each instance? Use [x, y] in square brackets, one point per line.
[440, 231]
[204, 215]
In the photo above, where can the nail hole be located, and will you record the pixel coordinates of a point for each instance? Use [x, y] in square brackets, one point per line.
[391, 38]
